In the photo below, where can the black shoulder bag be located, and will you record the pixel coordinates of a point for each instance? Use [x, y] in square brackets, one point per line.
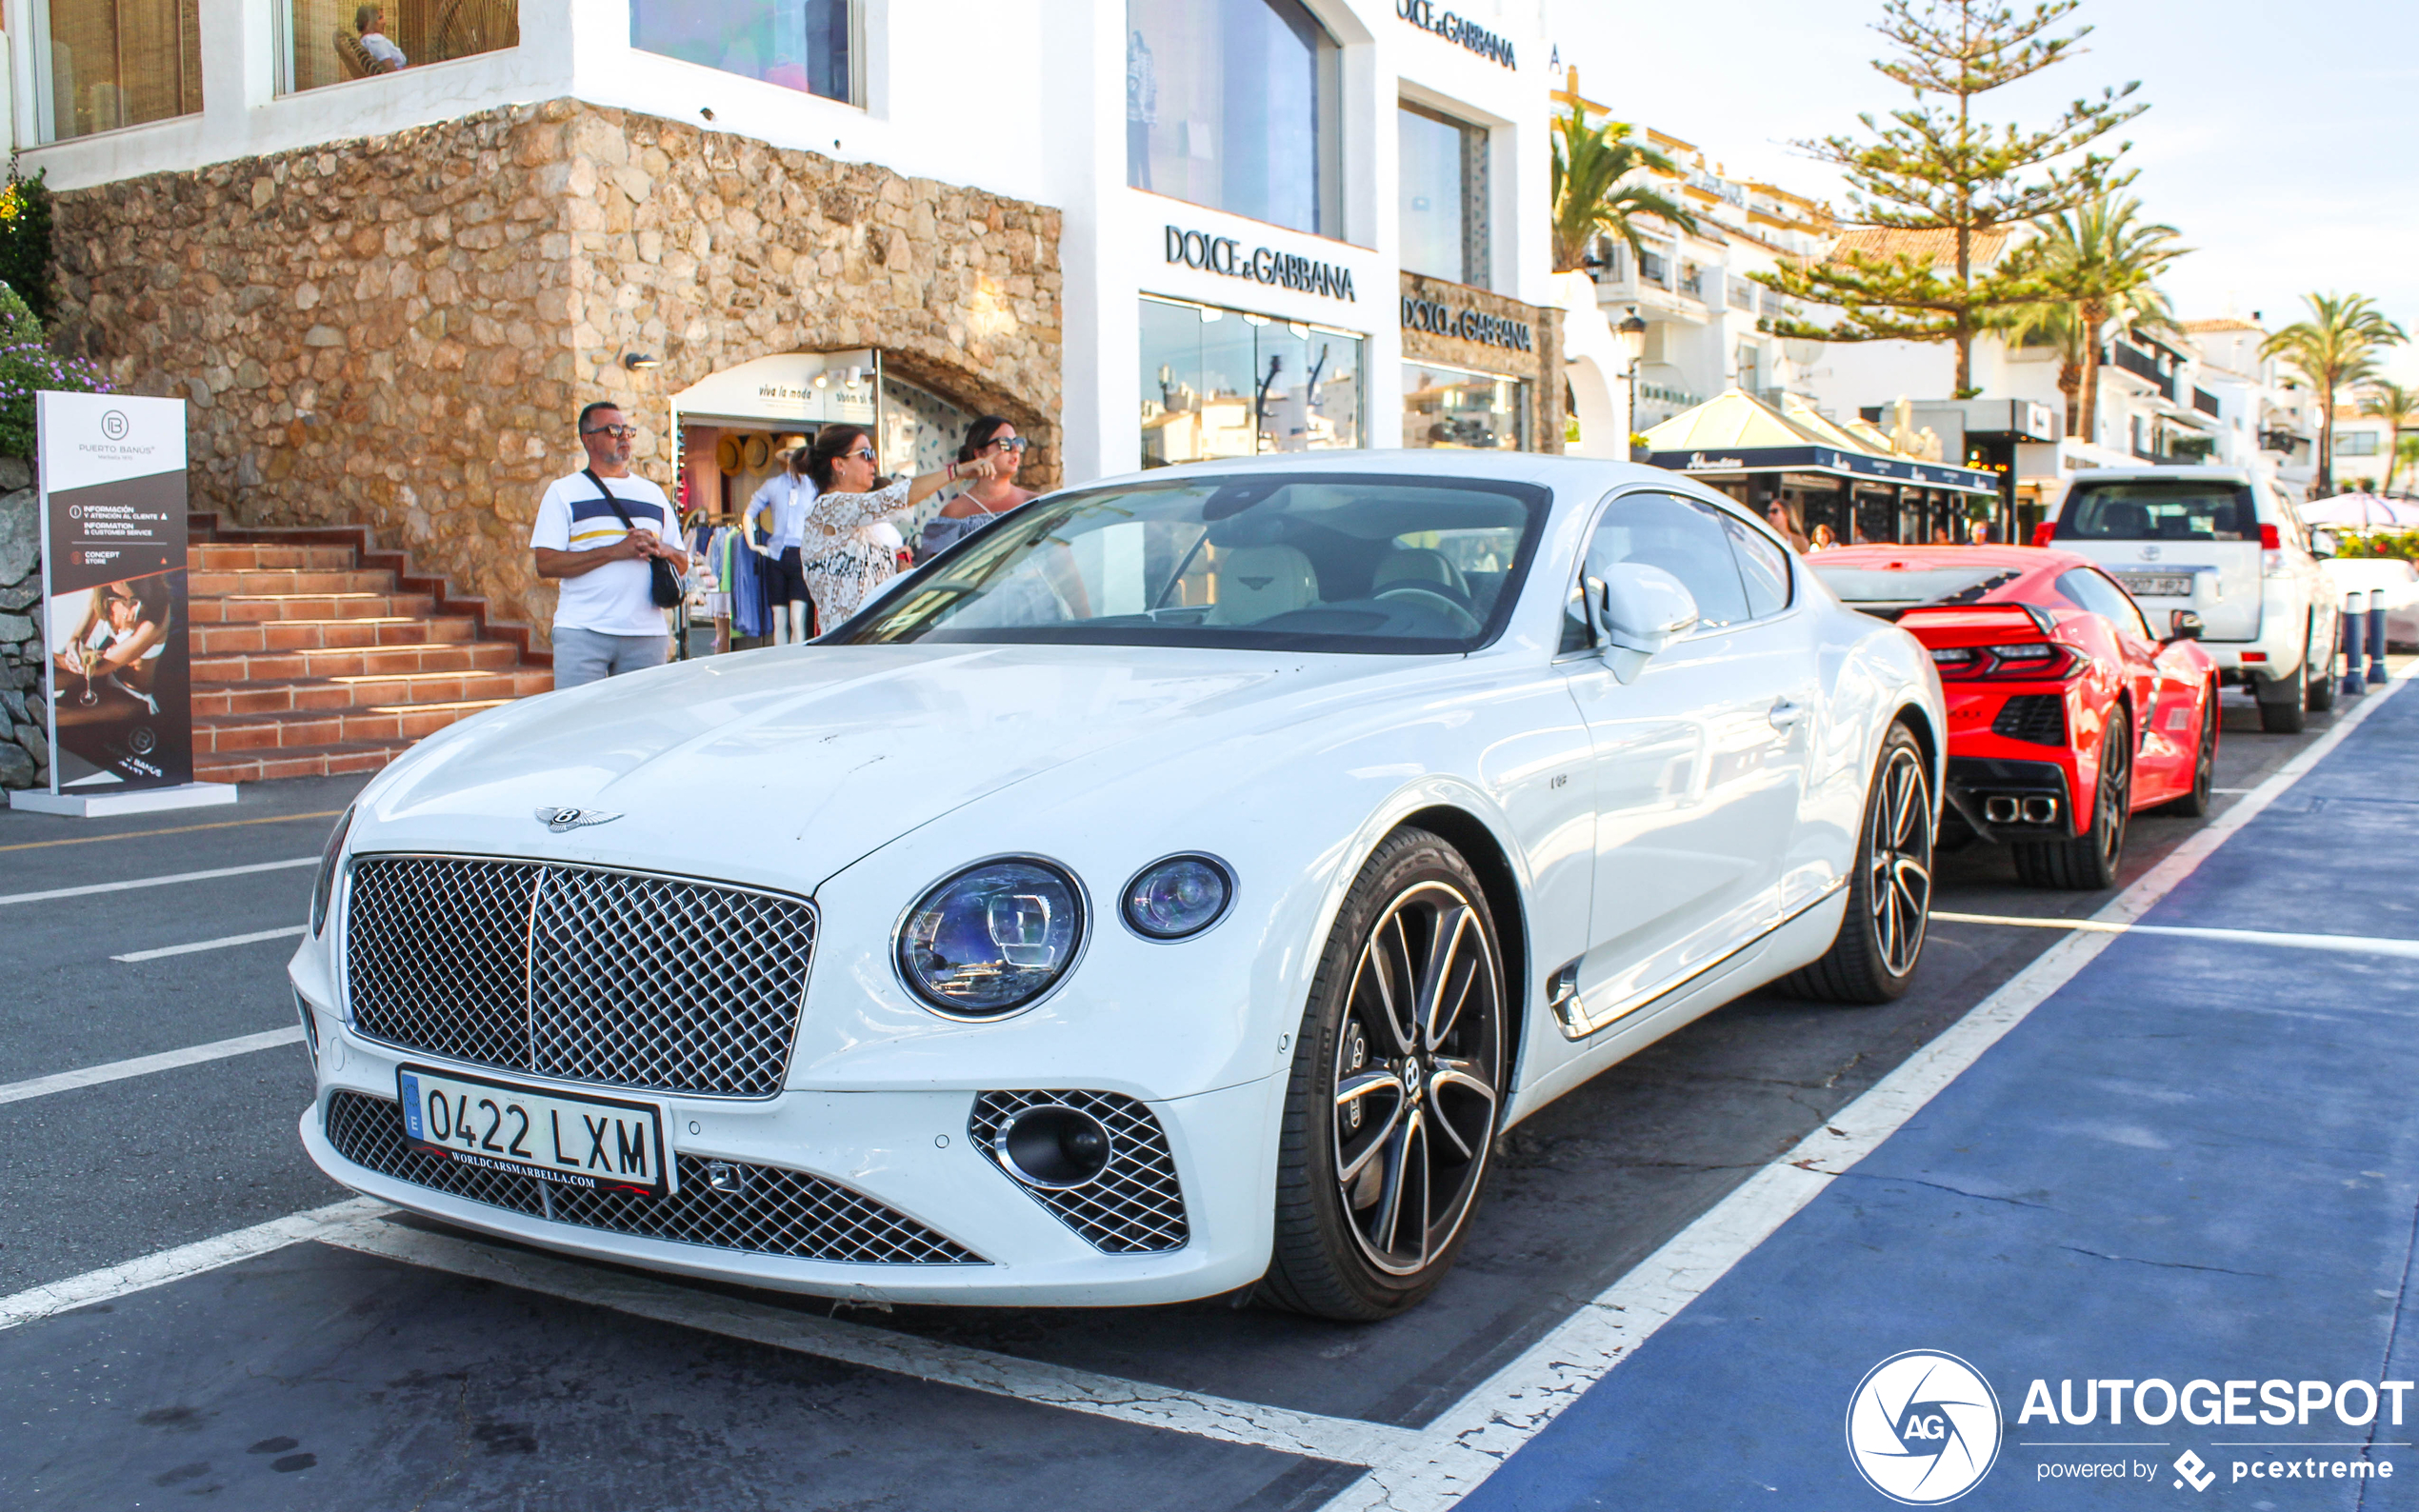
[663, 585]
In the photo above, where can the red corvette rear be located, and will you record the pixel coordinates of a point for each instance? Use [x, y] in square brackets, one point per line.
[2042, 656]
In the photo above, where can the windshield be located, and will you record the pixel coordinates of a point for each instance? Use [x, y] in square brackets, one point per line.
[2159, 510]
[1885, 589]
[1319, 563]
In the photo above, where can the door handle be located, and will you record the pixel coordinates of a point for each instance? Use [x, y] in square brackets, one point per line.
[1784, 714]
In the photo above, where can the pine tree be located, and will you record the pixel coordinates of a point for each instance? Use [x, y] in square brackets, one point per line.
[1931, 167]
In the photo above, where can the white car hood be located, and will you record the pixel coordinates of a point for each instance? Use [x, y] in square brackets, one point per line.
[786, 764]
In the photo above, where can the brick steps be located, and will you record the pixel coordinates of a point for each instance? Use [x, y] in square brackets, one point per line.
[315, 655]
[245, 639]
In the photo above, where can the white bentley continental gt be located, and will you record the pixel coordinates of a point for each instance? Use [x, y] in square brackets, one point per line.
[1176, 887]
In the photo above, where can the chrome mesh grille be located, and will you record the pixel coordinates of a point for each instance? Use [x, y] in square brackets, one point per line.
[1134, 1207]
[598, 976]
[770, 1211]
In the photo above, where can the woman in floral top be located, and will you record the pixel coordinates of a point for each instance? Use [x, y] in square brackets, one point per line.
[846, 558]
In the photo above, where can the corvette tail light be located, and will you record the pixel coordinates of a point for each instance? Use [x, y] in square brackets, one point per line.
[2016, 659]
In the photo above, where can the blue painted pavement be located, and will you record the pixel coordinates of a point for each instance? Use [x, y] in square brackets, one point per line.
[2197, 1161]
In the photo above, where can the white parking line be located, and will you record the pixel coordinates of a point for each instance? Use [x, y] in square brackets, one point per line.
[2354, 943]
[1345, 1441]
[174, 1265]
[155, 881]
[1477, 1434]
[146, 1065]
[220, 943]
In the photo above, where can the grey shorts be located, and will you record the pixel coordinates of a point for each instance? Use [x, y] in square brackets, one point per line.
[590, 656]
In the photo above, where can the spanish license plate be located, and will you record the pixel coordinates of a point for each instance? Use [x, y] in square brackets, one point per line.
[2158, 584]
[598, 1142]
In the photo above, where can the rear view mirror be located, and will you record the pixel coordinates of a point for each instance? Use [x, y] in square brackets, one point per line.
[1637, 610]
[2183, 625]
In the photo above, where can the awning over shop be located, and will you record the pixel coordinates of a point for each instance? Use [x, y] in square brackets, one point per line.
[1736, 435]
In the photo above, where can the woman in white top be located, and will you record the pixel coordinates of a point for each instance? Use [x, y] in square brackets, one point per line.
[992, 439]
[847, 556]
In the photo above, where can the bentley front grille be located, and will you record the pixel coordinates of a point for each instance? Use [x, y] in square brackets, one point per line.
[614, 977]
[1135, 1205]
[724, 1204]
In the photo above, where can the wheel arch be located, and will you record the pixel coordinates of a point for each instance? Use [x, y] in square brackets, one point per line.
[1486, 856]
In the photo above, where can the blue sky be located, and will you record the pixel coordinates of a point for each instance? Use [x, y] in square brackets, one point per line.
[2279, 138]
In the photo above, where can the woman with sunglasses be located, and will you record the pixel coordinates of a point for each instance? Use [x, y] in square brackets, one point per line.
[992, 439]
[847, 558]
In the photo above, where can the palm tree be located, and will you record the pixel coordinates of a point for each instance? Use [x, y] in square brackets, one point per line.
[2100, 258]
[2335, 347]
[2057, 325]
[1596, 189]
[2399, 409]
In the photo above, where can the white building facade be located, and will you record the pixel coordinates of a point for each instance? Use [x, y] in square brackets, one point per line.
[1264, 225]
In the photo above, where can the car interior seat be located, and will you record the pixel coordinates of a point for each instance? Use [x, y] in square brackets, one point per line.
[1417, 564]
[1260, 582]
[2124, 520]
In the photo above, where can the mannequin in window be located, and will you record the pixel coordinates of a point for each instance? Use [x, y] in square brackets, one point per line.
[779, 509]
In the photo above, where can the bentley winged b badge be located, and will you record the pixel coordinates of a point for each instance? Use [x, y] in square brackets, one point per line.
[562, 820]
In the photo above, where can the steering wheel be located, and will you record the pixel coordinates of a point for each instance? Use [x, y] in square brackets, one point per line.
[1436, 598]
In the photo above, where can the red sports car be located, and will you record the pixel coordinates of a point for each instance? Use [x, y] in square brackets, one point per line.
[2042, 655]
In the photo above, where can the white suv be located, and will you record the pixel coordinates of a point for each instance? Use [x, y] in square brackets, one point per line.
[2226, 545]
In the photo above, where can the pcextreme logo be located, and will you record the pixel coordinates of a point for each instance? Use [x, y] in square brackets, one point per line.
[1922, 1427]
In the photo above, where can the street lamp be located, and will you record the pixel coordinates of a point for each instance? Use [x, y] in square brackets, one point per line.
[1633, 341]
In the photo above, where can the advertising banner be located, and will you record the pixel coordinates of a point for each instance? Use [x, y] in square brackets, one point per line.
[114, 614]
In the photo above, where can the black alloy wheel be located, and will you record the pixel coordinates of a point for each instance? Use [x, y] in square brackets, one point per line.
[2089, 861]
[2196, 804]
[2284, 702]
[1881, 939]
[2320, 691]
[1398, 1084]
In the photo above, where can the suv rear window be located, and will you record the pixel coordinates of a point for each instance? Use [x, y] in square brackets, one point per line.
[2159, 510]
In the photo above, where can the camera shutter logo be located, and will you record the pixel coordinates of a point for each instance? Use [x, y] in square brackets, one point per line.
[1922, 1427]
[114, 425]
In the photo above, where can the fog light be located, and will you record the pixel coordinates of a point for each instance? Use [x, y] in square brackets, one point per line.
[1052, 1145]
[2040, 810]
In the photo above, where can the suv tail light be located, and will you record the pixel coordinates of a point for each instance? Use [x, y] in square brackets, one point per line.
[2271, 552]
[2044, 532]
[2270, 539]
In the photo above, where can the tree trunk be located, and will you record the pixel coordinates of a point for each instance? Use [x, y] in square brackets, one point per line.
[2070, 384]
[2095, 313]
[2327, 443]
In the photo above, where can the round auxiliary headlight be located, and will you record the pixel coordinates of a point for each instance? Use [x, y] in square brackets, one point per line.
[1179, 896]
[992, 938]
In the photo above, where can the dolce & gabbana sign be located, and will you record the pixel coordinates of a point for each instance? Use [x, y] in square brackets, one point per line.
[1440, 319]
[1262, 265]
[1457, 29]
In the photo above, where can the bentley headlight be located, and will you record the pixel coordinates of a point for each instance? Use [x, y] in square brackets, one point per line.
[1179, 896]
[325, 888]
[993, 937]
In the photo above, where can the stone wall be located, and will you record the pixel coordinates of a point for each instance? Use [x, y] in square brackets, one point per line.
[399, 331]
[25, 741]
[1541, 364]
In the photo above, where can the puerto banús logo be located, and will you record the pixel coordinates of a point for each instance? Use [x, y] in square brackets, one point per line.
[1922, 1427]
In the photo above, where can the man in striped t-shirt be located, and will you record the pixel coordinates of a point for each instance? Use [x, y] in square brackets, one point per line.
[605, 621]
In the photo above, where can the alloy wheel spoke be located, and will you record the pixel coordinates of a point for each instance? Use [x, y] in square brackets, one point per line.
[1398, 1161]
[1380, 1139]
[1361, 1085]
[1903, 811]
[1445, 1078]
[1436, 980]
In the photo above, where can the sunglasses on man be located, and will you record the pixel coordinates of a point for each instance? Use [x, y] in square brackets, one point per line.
[617, 432]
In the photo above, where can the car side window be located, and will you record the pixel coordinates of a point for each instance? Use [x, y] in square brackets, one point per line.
[2088, 590]
[1764, 568]
[1684, 538]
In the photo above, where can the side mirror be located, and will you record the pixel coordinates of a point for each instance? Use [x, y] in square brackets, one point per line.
[1638, 611]
[2183, 625]
[2322, 542]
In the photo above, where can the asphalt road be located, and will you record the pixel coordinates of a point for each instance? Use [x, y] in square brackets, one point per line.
[325, 1376]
